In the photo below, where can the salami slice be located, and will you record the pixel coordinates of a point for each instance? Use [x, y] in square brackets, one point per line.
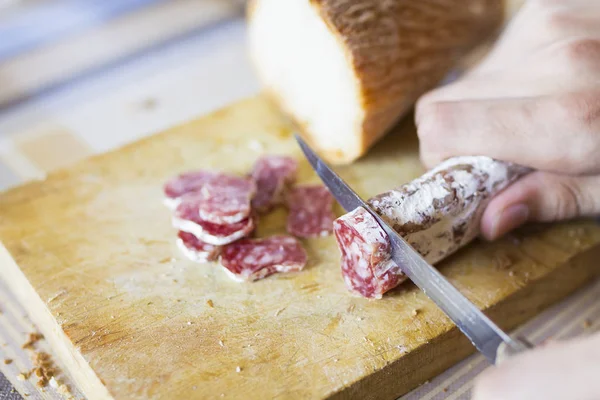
[272, 175]
[186, 183]
[187, 219]
[310, 211]
[437, 213]
[253, 259]
[366, 265]
[224, 199]
[195, 249]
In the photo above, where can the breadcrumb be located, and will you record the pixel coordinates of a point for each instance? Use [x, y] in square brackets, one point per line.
[210, 303]
[32, 339]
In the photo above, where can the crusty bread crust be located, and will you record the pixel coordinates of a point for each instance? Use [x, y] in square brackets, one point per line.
[397, 50]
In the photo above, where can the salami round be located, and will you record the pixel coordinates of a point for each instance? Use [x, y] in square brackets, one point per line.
[224, 199]
[366, 265]
[186, 183]
[195, 249]
[272, 175]
[310, 211]
[253, 259]
[187, 219]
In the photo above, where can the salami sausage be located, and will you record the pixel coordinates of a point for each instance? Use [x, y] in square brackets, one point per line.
[272, 175]
[185, 183]
[253, 259]
[310, 211]
[186, 218]
[195, 249]
[437, 213]
[224, 199]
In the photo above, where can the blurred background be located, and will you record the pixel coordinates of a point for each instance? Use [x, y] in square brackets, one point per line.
[91, 75]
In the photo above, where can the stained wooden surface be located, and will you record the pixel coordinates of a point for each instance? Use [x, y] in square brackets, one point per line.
[90, 252]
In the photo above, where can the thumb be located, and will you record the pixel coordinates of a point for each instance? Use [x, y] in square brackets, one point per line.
[541, 196]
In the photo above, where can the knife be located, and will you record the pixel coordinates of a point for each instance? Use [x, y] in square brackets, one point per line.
[484, 334]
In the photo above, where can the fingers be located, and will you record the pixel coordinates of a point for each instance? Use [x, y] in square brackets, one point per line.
[567, 370]
[541, 196]
[553, 133]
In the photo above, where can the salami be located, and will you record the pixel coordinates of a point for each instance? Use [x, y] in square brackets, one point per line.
[437, 213]
[272, 175]
[310, 211]
[224, 199]
[195, 249]
[186, 183]
[253, 259]
[186, 218]
[366, 265]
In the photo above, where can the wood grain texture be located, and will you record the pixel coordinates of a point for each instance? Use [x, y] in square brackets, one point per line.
[91, 254]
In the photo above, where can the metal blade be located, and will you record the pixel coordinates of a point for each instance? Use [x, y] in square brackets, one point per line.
[483, 333]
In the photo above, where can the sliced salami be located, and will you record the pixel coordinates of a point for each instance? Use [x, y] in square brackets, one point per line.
[186, 183]
[272, 175]
[195, 249]
[437, 213]
[224, 199]
[310, 211]
[253, 259]
[186, 218]
[366, 265]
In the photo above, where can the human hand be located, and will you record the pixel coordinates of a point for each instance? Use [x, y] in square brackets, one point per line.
[567, 370]
[535, 101]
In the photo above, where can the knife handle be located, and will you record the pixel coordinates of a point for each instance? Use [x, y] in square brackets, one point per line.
[506, 350]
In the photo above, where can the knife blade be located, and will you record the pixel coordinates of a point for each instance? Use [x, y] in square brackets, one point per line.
[483, 333]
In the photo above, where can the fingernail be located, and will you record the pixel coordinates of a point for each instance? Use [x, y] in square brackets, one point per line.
[508, 219]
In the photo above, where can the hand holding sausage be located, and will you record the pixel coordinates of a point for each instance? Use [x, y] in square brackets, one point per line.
[534, 101]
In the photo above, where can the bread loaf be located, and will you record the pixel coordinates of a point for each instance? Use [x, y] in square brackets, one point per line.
[347, 70]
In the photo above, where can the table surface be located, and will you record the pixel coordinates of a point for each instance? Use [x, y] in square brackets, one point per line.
[166, 86]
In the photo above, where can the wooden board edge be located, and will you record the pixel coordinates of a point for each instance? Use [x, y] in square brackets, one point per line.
[428, 362]
[76, 366]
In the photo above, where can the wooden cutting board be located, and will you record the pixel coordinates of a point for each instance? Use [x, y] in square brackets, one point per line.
[90, 253]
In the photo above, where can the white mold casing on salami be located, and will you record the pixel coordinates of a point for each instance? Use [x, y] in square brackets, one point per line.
[440, 212]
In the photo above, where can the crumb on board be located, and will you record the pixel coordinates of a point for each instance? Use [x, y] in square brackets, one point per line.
[503, 261]
[587, 323]
[445, 389]
[23, 376]
[8, 361]
[210, 303]
[415, 312]
[32, 339]
[238, 369]
[221, 343]
[43, 369]
[279, 311]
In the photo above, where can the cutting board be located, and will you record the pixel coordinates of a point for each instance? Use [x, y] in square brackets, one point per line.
[90, 253]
